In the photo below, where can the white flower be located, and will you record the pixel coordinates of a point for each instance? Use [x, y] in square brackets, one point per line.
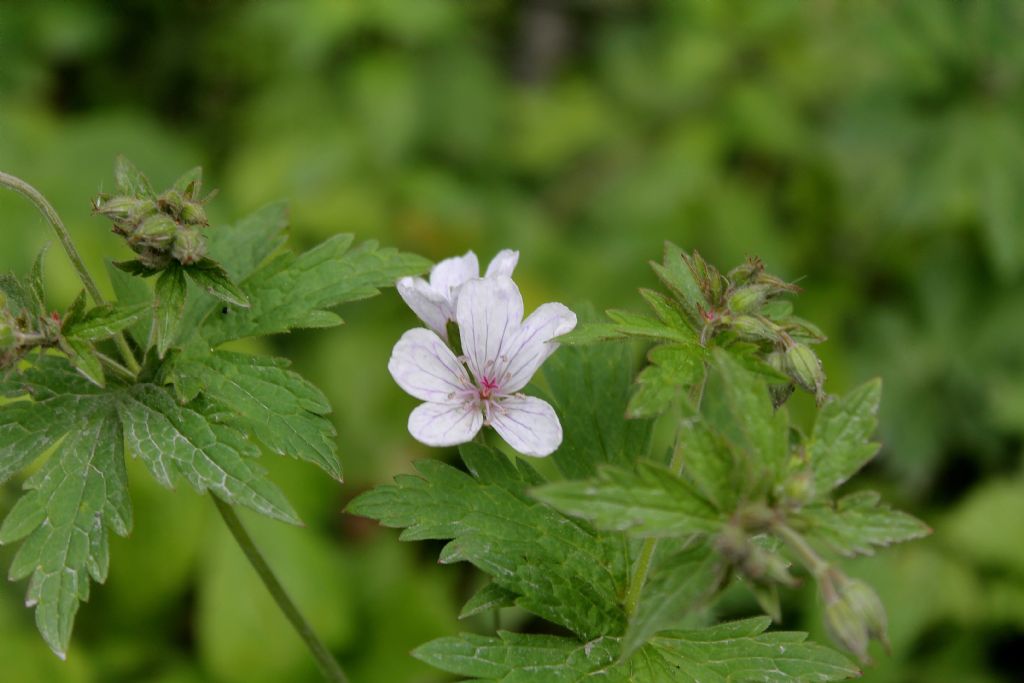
[503, 351]
[435, 302]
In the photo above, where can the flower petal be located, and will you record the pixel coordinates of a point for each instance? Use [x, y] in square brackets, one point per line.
[448, 275]
[532, 346]
[528, 424]
[426, 368]
[489, 314]
[429, 306]
[445, 424]
[503, 263]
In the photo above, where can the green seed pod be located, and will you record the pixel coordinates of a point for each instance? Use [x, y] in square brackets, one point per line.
[748, 298]
[189, 246]
[156, 232]
[753, 328]
[804, 367]
[193, 213]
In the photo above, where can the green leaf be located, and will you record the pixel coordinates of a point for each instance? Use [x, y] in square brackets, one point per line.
[520, 658]
[277, 406]
[636, 325]
[675, 274]
[215, 281]
[75, 312]
[295, 291]
[840, 444]
[590, 390]
[673, 370]
[680, 582]
[83, 356]
[649, 502]
[190, 183]
[130, 180]
[858, 522]
[173, 439]
[131, 291]
[135, 267]
[590, 333]
[103, 322]
[35, 285]
[78, 494]
[561, 570]
[738, 406]
[490, 597]
[169, 303]
[670, 313]
[710, 464]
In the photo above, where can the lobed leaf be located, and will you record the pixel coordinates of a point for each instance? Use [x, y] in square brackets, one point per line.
[840, 442]
[169, 304]
[214, 280]
[858, 522]
[103, 322]
[673, 370]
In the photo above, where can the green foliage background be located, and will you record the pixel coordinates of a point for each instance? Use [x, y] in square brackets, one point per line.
[873, 149]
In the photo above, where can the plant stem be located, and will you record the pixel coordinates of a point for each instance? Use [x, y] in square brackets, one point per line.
[643, 561]
[808, 557]
[45, 208]
[328, 665]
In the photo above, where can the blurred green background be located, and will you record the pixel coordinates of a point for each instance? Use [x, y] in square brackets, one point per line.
[875, 150]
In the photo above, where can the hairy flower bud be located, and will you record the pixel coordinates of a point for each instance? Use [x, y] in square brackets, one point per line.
[803, 366]
[748, 298]
[171, 202]
[854, 613]
[156, 232]
[193, 213]
[125, 212]
[753, 328]
[742, 274]
[189, 246]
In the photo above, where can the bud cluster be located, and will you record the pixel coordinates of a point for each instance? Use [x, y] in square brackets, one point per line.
[163, 227]
[746, 305]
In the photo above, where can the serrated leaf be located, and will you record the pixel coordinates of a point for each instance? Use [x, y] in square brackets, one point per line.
[561, 570]
[103, 322]
[680, 581]
[135, 267]
[669, 312]
[75, 311]
[83, 356]
[840, 444]
[215, 281]
[169, 304]
[650, 502]
[590, 390]
[277, 406]
[78, 494]
[590, 333]
[173, 439]
[132, 291]
[636, 325]
[34, 284]
[130, 180]
[673, 370]
[293, 291]
[675, 274]
[738, 406]
[710, 464]
[490, 597]
[858, 522]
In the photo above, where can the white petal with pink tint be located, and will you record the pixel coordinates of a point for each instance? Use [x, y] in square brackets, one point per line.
[426, 368]
[489, 314]
[503, 263]
[448, 275]
[532, 344]
[528, 424]
[445, 424]
[429, 306]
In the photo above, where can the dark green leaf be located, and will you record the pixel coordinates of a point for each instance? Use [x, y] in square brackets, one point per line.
[858, 522]
[103, 322]
[673, 370]
[83, 356]
[214, 280]
[490, 597]
[131, 291]
[840, 443]
[169, 303]
[135, 267]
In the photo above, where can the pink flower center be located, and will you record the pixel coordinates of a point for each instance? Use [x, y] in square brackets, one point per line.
[487, 386]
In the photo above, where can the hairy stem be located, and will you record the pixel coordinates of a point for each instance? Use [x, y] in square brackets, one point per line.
[802, 549]
[45, 208]
[643, 561]
[329, 666]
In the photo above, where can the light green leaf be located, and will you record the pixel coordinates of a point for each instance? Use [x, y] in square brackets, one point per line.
[840, 443]
[215, 281]
[858, 522]
[277, 406]
[710, 464]
[670, 313]
[590, 390]
[173, 439]
[675, 274]
[169, 303]
[649, 502]
[78, 494]
[490, 597]
[590, 333]
[294, 291]
[130, 180]
[103, 322]
[83, 356]
[673, 370]
[738, 406]
[561, 570]
[636, 325]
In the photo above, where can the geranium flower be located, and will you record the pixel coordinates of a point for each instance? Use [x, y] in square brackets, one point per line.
[435, 302]
[503, 352]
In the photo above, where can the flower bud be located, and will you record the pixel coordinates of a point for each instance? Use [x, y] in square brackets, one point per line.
[846, 629]
[125, 212]
[156, 232]
[854, 614]
[748, 298]
[799, 488]
[752, 328]
[742, 274]
[804, 367]
[193, 213]
[189, 246]
[171, 202]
